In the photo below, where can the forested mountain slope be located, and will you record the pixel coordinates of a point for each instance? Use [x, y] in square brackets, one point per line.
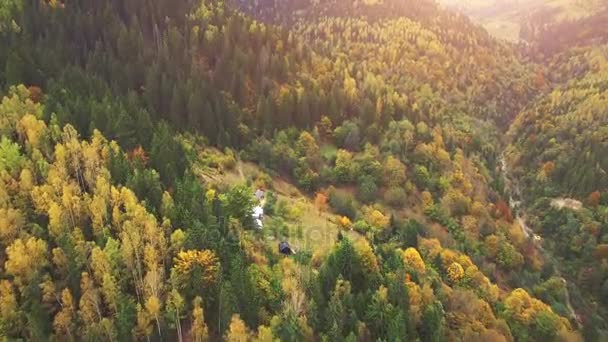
[195, 65]
[387, 115]
[289, 12]
[211, 61]
[563, 135]
[558, 150]
[440, 49]
[94, 248]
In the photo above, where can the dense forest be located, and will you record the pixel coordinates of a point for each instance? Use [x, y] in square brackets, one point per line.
[434, 182]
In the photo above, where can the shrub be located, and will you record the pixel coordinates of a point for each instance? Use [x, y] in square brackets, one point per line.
[367, 189]
[305, 177]
[395, 197]
[343, 204]
[361, 226]
[262, 180]
[271, 202]
[344, 166]
[345, 223]
[326, 175]
[228, 161]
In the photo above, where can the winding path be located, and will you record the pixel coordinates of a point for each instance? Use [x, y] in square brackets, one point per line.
[514, 192]
[515, 195]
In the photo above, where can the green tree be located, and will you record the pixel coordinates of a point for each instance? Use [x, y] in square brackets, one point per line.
[394, 172]
[367, 189]
[433, 323]
[246, 293]
[546, 326]
[344, 166]
[10, 157]
[167, 155]
[422, 177]
[239, 203]
[9, 10]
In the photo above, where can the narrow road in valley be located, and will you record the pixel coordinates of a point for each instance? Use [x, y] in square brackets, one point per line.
[513, 190]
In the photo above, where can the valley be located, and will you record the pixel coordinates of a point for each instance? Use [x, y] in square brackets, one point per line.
[434, 179]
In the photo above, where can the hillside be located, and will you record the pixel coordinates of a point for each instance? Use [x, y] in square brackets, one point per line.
[122, 259]
[565, 131]
[550, 40]
[484, 75]
[134, 135]
[558, 151]
[513, 20]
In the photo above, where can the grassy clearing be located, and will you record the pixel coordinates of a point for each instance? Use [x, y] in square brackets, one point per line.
[296, 219]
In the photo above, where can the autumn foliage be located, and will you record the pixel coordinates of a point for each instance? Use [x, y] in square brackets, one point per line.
[504, 211]
[126, 186]
[203, 263]
[594, 198]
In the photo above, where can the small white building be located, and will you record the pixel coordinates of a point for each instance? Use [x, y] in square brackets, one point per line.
[258, 215]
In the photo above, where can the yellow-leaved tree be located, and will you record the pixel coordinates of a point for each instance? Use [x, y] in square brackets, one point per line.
[26, 259]
[455, 272]
[11, 222]
[194, 271]
[10, 315]
[65, 320]
[412, 258]
[237, 331]
[368, 258]
[198, 331]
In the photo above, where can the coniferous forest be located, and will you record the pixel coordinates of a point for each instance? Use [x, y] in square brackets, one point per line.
[433, 182]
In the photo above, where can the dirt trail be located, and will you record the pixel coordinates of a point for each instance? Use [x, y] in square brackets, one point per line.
[515, 203]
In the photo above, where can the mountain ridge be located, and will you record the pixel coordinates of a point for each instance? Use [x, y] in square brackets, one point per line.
[377, 124]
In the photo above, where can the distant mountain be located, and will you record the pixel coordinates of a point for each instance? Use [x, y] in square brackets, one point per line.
[512, 19]
[548, 38]
[290, 11]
